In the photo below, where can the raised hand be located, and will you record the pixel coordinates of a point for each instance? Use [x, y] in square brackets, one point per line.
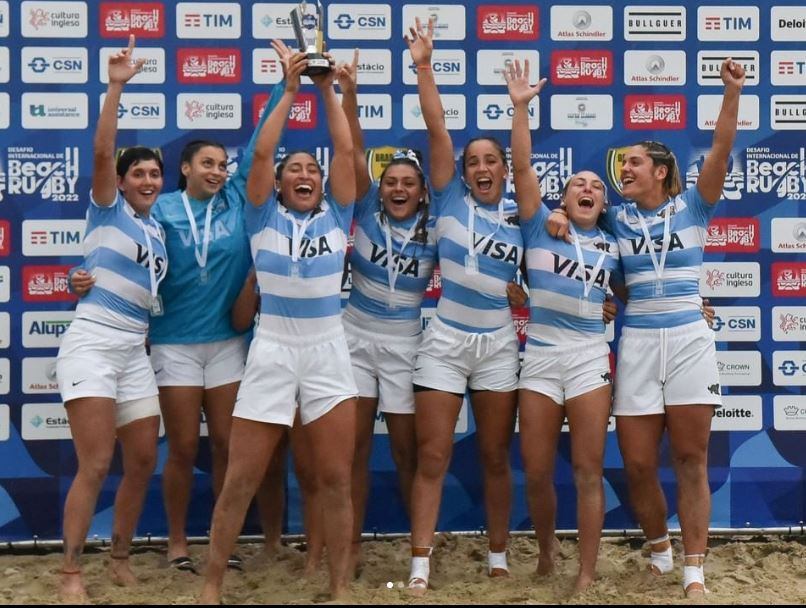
[732, 73]
[347, 75]
[122, 67]
[284, 54]
[296, 65]
[520, 91]
[421, 43]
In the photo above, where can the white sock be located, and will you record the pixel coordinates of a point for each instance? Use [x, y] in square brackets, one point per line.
[497, 560]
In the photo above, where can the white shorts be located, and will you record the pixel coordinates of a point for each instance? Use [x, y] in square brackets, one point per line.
[281, 373]
[383, 366]
[99, 361]
[658, 368]
[452, 360]
[207, 365]
[562, 372]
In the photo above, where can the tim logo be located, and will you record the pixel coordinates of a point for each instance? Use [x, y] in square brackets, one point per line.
[38, 17]
[789, 279]
[144, 19]
[651, 112]
[507, 22]
[193, 20]
[715, 23]
[5, 237]
[218, 66]
[581, 68]
[788, 323]
[714, 278]
[733, 235]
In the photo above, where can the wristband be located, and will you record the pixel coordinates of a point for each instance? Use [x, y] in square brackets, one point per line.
[424, 67]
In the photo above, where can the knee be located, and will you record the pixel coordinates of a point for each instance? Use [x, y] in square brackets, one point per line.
[96, 469]
[495, 461]
[335, 480]
[405, 459]
[432, 461]
[587, 478]
[183, 452]
[219, 447]
[641, 472]
[691, 463]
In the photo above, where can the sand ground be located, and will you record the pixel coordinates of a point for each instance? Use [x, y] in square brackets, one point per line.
[768, 570]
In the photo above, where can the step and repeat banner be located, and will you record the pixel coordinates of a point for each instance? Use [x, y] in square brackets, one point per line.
[617, 73]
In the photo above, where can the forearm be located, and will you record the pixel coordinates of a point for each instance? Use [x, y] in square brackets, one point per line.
[260, 180]
[726, 124]
[349, 105]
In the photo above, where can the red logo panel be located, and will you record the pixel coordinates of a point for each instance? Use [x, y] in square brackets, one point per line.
[5, 237]
[143, 19]
[46, 284]
[581, 67]
[434, 289]
[733, 235]
[507, 22]
[217, 66]
[789, 279]
[302, 115]
[648, 112]
[520, 317]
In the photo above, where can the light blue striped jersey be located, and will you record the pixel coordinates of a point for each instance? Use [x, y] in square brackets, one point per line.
[301, 298]
[680, 301]
[196, 311]
[398, 311]
[116, 251]
[559, 312]
[475, 302]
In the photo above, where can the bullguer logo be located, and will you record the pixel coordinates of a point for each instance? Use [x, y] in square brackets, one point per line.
[733, 235]
[49, 174]
[788, 112]
[592, 23]
[655, 23]
[143, 19]
[709, 65]
[51, 19]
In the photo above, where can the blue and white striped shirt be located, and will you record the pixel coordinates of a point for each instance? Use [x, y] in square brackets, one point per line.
[680, 302]
[300, 298]
[477, 302]
[558, 312]
[116, 251]
[399, 310]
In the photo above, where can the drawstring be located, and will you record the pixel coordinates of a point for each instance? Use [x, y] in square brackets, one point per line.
[479, 341]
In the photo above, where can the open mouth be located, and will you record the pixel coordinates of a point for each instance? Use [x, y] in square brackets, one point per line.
[484, 184]
[585, 202]
[626, 181]
[399, 201]
[304, 190]
[147, 192]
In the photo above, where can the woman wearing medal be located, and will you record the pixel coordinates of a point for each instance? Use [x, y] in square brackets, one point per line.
[391, 263]
[566, 366]
[471, 343]
[105, 378]
[667, 378]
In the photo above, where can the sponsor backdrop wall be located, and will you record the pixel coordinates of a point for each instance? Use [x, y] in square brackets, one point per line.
[617, 73]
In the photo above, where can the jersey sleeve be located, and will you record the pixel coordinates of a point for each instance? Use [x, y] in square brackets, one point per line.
[700, 209]
[535, 226]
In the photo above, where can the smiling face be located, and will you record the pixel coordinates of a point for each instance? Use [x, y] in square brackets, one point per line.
[300, 182]
[206, 172]
[650, 174]
[401, 190]
[585, 199]
[485, 171]
[141, 184]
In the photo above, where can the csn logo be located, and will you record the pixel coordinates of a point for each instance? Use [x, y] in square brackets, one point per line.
[54, 65]
[360, 21]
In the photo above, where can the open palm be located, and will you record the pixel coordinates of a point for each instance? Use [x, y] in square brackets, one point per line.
[520, 91]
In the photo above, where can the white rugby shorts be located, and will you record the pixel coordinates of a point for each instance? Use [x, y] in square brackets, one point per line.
[207, 365]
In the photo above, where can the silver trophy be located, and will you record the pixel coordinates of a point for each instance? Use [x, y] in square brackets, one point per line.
[307, 19]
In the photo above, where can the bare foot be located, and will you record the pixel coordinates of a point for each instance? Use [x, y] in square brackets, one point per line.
[356, 564]
[120, 572]
[545, 561]
[71, 588]
[583, 582]
[210, 595]
[417, 587]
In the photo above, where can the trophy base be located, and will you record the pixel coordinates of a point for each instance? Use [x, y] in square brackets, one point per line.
[317, 64]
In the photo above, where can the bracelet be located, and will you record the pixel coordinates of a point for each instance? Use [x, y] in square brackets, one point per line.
[424, 67]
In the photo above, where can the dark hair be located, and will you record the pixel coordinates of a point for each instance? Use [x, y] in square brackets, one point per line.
[136, 154]
[498, 147]
[189, 151]
[661, 155]
[404, 157]
[279, 167]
